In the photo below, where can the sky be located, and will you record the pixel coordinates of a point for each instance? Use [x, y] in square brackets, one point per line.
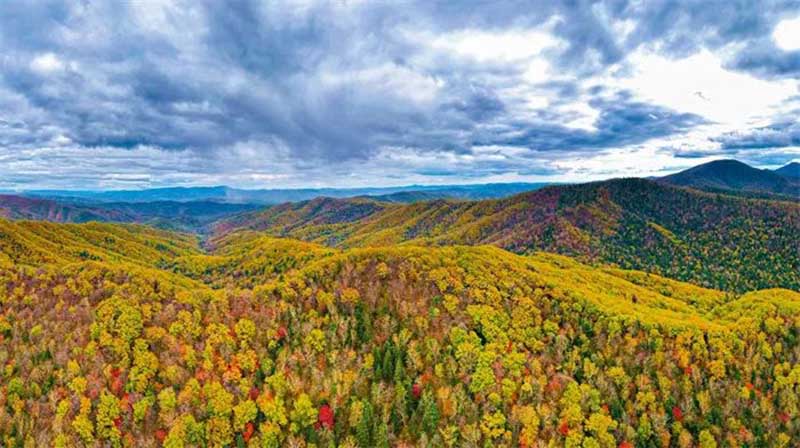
[270, 94]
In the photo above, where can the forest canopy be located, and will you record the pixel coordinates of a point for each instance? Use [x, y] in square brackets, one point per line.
[118, 335]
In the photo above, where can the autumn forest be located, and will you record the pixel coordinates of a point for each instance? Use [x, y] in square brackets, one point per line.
[400, 224]
[624, 314]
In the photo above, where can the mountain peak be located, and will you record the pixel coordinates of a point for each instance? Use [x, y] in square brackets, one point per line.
[724, 166]
[791, 170]
[733, 175]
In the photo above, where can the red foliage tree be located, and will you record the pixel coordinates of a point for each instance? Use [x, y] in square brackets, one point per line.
[249, 429]
[416, 391]
[325, 417]
[677, 414]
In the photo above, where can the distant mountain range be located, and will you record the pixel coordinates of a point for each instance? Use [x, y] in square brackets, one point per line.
[729, 176]
[199, 209]
[737, 177]
[277, 196]
[194, 208]
[185, 216]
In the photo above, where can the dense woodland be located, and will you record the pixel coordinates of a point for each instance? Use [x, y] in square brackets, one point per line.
[122, 335]
[713, 240]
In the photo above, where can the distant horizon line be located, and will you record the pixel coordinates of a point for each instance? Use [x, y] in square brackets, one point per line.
[406, 187]
[223, 186]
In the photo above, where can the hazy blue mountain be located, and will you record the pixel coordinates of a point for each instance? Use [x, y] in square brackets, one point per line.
[182, 194]
[277, 196]
[791, 170]
[185, 216]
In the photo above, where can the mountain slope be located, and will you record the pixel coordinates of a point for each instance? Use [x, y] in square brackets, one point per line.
[375, 347]
[36, 242]
[320, 213]
[191, 216]
[791, 170]
[733, 175]
[19, 207]
[711, 239]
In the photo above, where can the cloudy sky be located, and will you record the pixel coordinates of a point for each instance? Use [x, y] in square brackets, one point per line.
[129, 94]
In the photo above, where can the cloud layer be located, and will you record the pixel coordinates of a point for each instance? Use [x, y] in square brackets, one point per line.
[346, 93]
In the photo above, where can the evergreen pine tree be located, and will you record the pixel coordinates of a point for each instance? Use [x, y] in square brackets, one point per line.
[430, 413]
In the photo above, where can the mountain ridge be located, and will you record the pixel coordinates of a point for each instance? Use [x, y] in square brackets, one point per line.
[635, 223]
[280, 195]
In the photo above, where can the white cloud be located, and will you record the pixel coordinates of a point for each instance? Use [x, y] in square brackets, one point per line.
[640, 161]
[700, 85]
[61, 140]
[47, 63]
[587, 116]
[538, 71]
[505, 46]
[787, 34]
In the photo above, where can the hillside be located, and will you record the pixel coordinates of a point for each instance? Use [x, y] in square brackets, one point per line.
[273, 342]
[791, 170]
[189, 216]
[293, 216]
[35, 243]
[732, 175]
[19, 207]
[709, 239]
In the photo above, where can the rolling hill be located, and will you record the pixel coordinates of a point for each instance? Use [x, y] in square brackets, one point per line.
[260, 341]
[735, 176]
[710, 239]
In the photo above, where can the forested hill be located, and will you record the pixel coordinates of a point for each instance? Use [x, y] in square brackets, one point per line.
[116, 335]
[790, 171]
[35, 243]
[733, 176]
[710, 239]
[20, 207]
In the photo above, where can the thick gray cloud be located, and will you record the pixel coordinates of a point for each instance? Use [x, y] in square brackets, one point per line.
[111, 93]
[777, 135]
